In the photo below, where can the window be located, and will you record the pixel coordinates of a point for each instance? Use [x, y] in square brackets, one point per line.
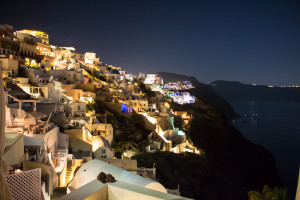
[103, 151]
[78, 107]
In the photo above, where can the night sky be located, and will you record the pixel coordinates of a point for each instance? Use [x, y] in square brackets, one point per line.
[247, 41]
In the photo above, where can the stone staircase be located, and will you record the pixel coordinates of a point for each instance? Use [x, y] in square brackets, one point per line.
[69, 175]
[119, 95]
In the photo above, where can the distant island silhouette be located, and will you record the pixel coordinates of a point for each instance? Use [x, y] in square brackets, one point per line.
[236, 91]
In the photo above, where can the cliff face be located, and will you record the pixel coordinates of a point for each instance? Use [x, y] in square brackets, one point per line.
[202, 91]
[230, 167]
[244, 164]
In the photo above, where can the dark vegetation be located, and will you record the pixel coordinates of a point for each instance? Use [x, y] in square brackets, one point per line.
[230, 168]
[96, 74]
[105, 178]
[90, 107]
[269, 193]
[22, 72]
[146, 91]
[129, 130]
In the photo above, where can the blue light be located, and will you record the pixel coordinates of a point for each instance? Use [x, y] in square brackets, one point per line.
[124, 108]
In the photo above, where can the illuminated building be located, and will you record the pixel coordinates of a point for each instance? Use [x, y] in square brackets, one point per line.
[153, 79]
[90, 58]
[44, 49]
[9, 67]
[79, 56]
[8, 47]
[36, 36]
[114, 75]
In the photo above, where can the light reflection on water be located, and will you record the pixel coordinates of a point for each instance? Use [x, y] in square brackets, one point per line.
[277, 128]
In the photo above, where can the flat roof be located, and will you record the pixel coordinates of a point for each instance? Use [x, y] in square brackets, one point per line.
[98, 189]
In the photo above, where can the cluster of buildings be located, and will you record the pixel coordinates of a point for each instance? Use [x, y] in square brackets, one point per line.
[179, 85]
[52, 134]
[174, 90]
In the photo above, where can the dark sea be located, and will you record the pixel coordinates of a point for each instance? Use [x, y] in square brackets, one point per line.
[277, 128]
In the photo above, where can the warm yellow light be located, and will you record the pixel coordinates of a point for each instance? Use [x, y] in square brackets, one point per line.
[96, 145]
[18, 170]
[39, 33]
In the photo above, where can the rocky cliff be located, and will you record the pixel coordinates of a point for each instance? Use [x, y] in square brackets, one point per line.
[228, 169]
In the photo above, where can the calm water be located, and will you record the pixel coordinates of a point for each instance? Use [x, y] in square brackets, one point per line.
[277, 128]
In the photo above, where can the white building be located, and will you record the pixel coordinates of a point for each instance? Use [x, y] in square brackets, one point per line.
[101, 148]
[99, 129]
[44, 90]
[73, 76]
[91, 58]
[76, 109]
[183, 98]
[40, 36]
[153, 79]
[138, 105]
[89, 171]
[114, 75]
[127, 185]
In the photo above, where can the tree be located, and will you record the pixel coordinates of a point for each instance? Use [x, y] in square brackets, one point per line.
[269, 194]
[178, 122]
[149, 92]
[89, 107]
[118, 149]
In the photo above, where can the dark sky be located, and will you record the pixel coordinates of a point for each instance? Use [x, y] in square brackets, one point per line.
[247, 41]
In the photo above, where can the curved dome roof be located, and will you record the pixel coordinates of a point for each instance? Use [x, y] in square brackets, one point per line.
[114, 71]
[90, 170]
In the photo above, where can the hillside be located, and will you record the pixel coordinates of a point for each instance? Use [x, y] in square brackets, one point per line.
[230, 167]
[236, 91]
[202, 91]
